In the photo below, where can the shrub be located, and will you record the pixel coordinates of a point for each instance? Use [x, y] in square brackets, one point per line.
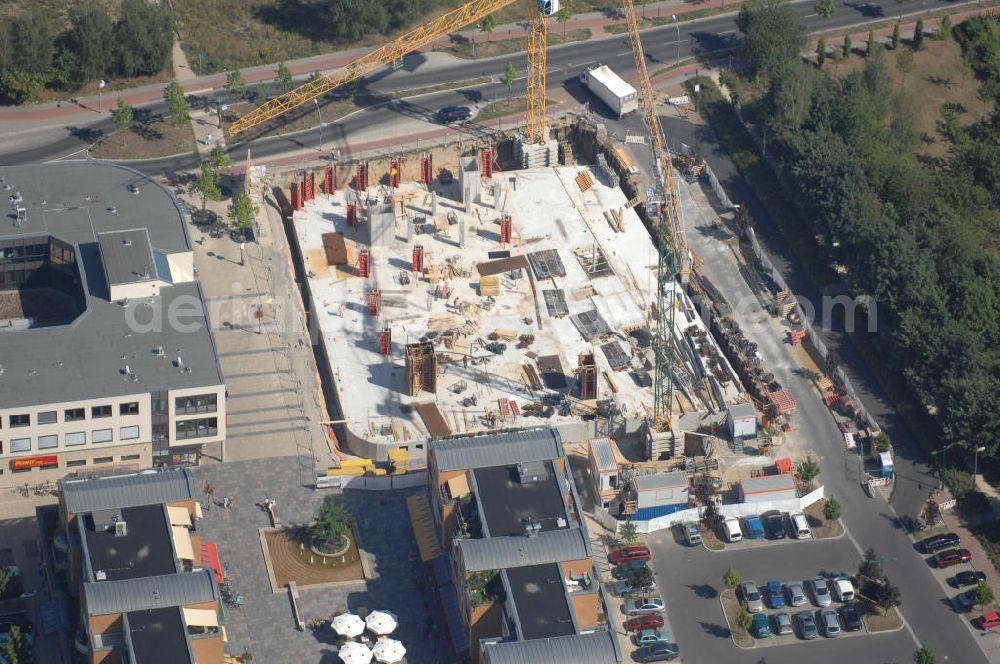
[731, 578]
[332, 527]
[832, 509]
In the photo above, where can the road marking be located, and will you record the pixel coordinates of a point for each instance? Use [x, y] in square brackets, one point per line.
[727, 32]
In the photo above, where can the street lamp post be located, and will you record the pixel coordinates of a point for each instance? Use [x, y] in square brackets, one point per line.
[320, 116]
[678, 26]
[975, 466]
[944, 460]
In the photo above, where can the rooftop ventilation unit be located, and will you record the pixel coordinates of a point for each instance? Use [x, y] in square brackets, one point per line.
[127, 242]
[101, 575]
[529, 473]
[121, 528]
[532, 528]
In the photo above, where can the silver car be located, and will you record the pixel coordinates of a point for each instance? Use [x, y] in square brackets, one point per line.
[820, 591]
[637, 606]
[782, 623]
[796, 596]
[755, 603]
[831, 623]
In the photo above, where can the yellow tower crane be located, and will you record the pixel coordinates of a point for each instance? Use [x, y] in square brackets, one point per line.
[393, 53]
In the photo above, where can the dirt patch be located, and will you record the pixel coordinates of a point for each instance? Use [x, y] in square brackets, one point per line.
[731, 607]
[710, 539]
[822, 528]
[292, 561]
[879, 620]
[929, 532]
[147, 138]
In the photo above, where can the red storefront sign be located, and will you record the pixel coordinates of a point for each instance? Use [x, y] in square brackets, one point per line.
[34, 462]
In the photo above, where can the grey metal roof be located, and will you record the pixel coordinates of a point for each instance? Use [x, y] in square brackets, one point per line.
[596, 648]
[538, 444]
[603, 453]
[550, 546]
[676, 478]
[83, 360]
[768, 483]
[147, 488]
[151, 592]
[127, 256]
[742, 410]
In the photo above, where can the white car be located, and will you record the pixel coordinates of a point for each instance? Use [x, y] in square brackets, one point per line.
[755, 603]
[731, 527]
[843, 590]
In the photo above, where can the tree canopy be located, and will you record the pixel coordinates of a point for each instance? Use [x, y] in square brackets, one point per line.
[773, 37]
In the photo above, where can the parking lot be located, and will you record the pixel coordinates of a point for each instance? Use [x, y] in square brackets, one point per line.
[690, 580]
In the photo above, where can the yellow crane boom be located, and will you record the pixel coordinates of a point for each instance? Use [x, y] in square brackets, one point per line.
[401, 46]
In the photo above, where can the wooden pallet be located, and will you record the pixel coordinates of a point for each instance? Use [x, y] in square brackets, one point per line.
[584, 181]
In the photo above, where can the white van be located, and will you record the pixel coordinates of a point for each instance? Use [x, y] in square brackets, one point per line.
[731, 528]
[843, 591]
[800, 527]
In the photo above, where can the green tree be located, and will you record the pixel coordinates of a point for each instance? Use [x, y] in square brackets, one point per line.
[207, 185]
[354, 82]
[731, 578]
[832, 509]
[808, 470]
[563, 16]
[944, 32]
[351, 20]
[826, 8]
[5, 579]
[91, 39]
[983, 594]
[62, 69]
[821, 50]
[775, 35]
[904, 63]
[918, 35]
[641, 577]
[881, 442]
[283, 77]
[743, 18]
[315, 77]
[235, 85]
[931, 513]
[895, 36]
[176, 104]
[744, 620]
[509, 74]
[332, 526]
[219, 160]
[871, 43]
[144, 38]
[32, 43]
[15, 649]
[886, 594]
[20, 87]
[628, 533]
[924, 656]
[847, 46]
[122, 115]
[242, 213]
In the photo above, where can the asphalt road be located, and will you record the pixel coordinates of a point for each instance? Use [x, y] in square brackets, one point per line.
[870, 520]
[701, 38]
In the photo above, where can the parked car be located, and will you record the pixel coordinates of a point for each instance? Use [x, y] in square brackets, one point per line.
[761, 626]
[752, 597]
[796, 596]
[775, 594]
[774, 524]
[692, 534]
[989, 620]
[800, 526]
[624, 588]
[621, 571]
[951, 557]
[831, 623]
[965, 601]
[851, 616]
[843, 590]
[648, 621]
[731, 528]
[939, 542]
[647, 636]
[807, 626]
[637, 606]
[968, 578]
[820, 591]
[782, 623]
[450, 114]
[628, 554]
[658, 652]
[754, 527]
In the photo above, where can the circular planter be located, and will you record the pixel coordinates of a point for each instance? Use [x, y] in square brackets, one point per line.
[333, 554]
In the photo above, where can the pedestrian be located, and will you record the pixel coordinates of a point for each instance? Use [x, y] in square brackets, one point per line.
[225, 503]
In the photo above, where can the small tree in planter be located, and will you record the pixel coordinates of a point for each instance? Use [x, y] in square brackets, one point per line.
[628, 533]
[332, 529]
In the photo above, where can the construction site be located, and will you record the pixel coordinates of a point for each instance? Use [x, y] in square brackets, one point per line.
[490, 299]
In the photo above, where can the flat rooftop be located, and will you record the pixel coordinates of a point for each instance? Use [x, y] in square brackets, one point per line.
[127, 256]
[608, 286]
[508, 505]
[145, 550]
[540, 599]
[158, 636]
[86, 359]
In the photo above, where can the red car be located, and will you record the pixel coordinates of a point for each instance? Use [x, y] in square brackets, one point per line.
[951, 557]
[988, 620]
[651, 621]
[628, 554]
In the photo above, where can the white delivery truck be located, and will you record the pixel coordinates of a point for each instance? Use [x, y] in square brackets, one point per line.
[611, 89]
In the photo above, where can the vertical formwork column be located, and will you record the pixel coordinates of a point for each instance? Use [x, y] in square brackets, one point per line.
[374, 302]
[506, 226]
[385, 340]
[417, 262]
[486, 163]
[364, 263]
[352, 214]
[329, 176]
[426, 169]
[293, 191]
[361, 176]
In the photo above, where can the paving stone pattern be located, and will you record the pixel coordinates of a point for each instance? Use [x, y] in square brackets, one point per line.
[265, 624]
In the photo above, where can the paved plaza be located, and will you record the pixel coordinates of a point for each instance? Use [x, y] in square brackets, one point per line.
[265, 624]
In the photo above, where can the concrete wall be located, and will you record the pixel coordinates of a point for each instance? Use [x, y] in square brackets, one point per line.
[135, 291]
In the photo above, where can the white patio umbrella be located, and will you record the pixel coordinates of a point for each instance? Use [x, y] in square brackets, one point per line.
[353, 652]
[389, 651]
[382, 622]
[348, 624]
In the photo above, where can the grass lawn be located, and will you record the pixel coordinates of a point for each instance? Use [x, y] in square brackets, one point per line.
[731, 607]
[821, 527]
[149, 137]
[519, 45]
[499, 109]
